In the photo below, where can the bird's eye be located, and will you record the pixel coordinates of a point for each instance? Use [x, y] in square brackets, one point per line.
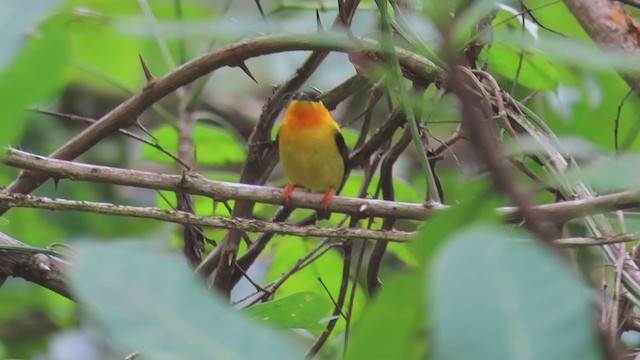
[298, 95]
[314, 96]
[311, 95]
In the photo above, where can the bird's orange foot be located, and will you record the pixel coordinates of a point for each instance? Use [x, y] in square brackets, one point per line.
[327, 198]
[288, 190]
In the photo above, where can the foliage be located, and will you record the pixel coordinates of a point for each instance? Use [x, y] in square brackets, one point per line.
[467, 286]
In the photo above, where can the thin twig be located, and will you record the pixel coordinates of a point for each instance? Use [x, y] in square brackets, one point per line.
[86, 120]
[344, 284]
[616, 122]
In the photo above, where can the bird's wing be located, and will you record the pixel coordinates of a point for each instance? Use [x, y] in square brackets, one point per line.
[344, 153]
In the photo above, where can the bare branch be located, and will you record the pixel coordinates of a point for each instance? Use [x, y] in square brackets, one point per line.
[610, 26]
[39, 268]
[197, 185]
[181, 217]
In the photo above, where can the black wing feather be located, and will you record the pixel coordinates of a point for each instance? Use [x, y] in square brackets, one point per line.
[344, 152]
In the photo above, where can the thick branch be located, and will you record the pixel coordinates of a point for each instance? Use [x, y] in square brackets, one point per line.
[42, 269]
[611, 27]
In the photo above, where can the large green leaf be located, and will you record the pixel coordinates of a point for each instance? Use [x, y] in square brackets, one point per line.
[304, 310]
[151, 302]
[495, 298]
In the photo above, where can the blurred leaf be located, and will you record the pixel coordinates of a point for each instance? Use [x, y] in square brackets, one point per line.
[350, 137]
[507, 300]
[29, 79]
[108, 55]
[18, 18]
[214, 145]
[153, 303]
[581, 54]
[471, 16]
[303, 310]
[217, 146]
[619, 173]
[475, 206]
[403, 252]
[569, 146]
[536, 72]
[392, 327]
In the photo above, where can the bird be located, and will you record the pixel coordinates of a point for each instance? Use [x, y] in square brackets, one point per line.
[312, 150]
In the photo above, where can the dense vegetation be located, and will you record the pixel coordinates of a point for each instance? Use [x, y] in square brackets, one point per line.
[502, 137]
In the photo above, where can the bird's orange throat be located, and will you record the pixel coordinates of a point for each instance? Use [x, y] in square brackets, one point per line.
[303, 114]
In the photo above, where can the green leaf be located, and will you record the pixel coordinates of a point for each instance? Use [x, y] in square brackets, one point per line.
[391, 327]
[506, 299]
[150, 301]
[304, 310]
[214, 145]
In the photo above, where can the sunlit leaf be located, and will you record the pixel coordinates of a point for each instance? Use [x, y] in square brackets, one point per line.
[304, 310]
[214, 145]
[151, 302]
[507, 300]
[536, 71]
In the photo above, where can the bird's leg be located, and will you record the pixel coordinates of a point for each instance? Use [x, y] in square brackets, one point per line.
[288, 190]
[327, 198]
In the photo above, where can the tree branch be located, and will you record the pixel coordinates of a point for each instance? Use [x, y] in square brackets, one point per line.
[42, 269]
[610, 26]
[197, 185]
[181, 217]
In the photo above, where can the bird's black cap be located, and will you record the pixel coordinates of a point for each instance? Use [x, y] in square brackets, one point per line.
[309, 95]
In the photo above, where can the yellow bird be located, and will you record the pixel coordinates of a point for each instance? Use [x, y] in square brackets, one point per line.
[312, 150]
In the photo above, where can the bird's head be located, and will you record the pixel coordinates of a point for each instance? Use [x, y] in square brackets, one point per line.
[308, 95]
[306, 110]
